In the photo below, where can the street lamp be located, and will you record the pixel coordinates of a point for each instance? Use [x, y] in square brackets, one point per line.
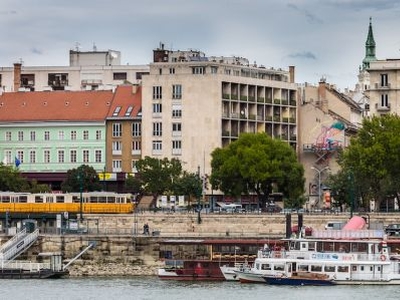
[198, 199]
[319, 179]
[80, 177]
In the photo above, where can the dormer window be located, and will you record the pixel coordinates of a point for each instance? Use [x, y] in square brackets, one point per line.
[128, 111]
[116, 111]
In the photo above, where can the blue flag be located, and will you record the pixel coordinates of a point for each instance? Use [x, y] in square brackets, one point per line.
[17, 162]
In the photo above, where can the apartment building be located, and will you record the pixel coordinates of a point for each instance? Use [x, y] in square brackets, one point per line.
[87, 70]
[193, 104]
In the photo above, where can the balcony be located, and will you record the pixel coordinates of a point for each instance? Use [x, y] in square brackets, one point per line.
[380, 86]
[380, 107]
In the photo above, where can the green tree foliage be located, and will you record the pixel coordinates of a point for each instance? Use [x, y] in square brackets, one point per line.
[256, 163]
[83, 175]
[11, 180]
[188, 184]
[156, 176]
[373, 159]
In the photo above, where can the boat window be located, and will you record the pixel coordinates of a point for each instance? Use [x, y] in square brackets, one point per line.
[279, 267]
[329, 268]
[362, 268]
[311, 246]
[302, 268]
[265, 267]
[315, 268]
[343, 269]
[257, 266]
[354, 268]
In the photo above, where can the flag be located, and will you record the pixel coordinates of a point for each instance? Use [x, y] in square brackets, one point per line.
[17, 162]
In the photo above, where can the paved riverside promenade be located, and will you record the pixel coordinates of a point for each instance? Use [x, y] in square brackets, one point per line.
[121, 248]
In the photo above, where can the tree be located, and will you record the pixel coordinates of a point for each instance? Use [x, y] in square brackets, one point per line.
[373, 159]
[84, 176]
[256, 163]
[11, 180]
[156, 176]
[188, 184]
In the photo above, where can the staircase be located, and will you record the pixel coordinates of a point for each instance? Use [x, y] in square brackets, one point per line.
[17, 245]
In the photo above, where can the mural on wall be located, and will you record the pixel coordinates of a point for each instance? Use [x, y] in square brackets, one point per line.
[331, 137]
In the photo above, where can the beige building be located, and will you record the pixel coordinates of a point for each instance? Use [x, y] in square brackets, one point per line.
[193, 104]
[383, 92]
[90, 70]
[327, 120]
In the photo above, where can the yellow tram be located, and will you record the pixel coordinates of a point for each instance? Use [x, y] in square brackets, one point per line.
[92, 202]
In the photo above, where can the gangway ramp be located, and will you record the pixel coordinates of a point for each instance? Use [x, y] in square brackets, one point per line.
[18, 244]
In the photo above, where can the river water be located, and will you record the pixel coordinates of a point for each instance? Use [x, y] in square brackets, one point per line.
[152, 288]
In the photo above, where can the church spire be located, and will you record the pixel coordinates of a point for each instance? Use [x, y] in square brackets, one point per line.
[369, 47]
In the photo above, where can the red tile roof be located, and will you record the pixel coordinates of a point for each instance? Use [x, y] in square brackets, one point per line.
[55, 106]
[126, 96]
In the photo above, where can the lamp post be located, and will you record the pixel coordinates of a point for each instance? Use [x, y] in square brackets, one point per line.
[104, 179]
[319, 179]
[80, 177]
[198, 199]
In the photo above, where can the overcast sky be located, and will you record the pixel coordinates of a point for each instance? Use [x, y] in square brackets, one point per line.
[319, 37]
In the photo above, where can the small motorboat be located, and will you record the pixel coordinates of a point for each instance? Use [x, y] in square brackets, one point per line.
[301, 278]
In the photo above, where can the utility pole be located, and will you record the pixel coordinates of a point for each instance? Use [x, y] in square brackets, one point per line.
[198, 198]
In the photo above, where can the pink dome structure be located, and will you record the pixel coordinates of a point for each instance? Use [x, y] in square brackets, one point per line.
[355, 223]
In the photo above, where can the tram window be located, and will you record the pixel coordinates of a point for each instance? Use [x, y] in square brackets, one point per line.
[93, 199]
[49, 199]
[60, 199]
[329, 268]
[303, 268]
[343, 269]
[102, 199]
[5, 199]
[315, 268]
[112, 200]
[75, 199]
[38, 199]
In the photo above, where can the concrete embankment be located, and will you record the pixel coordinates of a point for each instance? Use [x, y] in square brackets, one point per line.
[121, 249]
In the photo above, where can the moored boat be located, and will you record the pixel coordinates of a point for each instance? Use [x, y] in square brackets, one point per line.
[300, 278]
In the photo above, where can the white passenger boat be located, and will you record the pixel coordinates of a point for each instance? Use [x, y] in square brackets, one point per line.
[230, 273]
[346, 256]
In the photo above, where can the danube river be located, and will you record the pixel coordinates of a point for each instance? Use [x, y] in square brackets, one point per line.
[151, 288]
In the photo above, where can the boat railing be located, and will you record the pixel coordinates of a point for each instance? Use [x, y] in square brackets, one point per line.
[26, 265]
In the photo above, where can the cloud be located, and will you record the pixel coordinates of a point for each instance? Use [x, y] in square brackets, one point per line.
[304, 54]
[311, 18]
[360, 5]
[35, 50]
[8, 12]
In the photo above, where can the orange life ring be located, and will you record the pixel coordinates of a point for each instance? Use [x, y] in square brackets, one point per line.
[383, 257]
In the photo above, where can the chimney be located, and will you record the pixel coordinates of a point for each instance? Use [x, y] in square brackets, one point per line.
[323, 101]
[17, 76]
[291, 74]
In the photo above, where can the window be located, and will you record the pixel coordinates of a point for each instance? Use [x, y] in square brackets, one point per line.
[61, 156]
[177, 147]
[157, 129]
[85, 156]
[116, 111]
[7, 155]
[384, 80]
[33, 135]
[157, 145]
[119, 76]
[98, 134]
[72, 156]
[384, 100]
[20, 135]
[128, 111]
[171, 70]
[73, 135]
[85, 134]
[117, 165]
[136, 129]
[98, 155]
[214, 70]
[20, 155]
[198, 70]
[47, 135]
[176, 129]
[8, 136]
[61, 135]
[136, 145]
[46, 156]
[117, 130]
[177, 91]
[176, 112]
[157, 108]
[157, 92]
[116, 146]
[32, 156]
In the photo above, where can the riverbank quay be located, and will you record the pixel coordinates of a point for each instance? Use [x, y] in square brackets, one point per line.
[121, 248]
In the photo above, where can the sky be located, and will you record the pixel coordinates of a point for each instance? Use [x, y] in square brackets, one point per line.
[321, 38]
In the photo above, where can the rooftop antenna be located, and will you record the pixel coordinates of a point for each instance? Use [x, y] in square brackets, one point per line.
[94, 47]
[77, 46]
